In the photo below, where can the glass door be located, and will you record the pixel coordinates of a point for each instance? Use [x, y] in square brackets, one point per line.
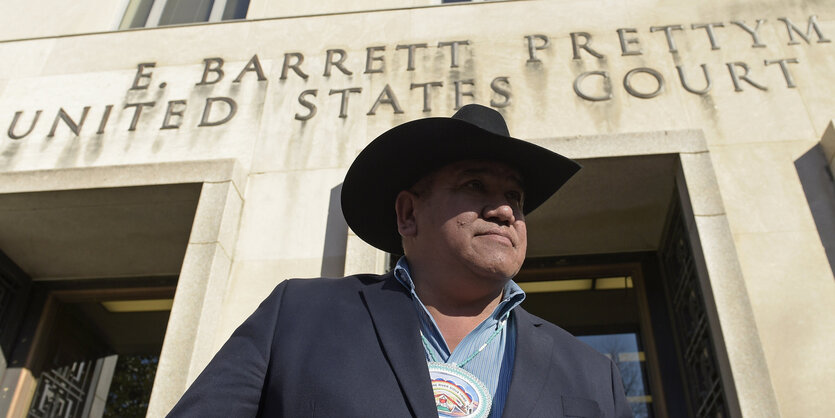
[605, 307]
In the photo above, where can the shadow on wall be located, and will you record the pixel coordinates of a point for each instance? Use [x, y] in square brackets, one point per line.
[819, 188]
[336, 237]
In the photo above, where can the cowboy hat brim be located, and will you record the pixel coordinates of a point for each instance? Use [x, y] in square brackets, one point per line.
[401, 156]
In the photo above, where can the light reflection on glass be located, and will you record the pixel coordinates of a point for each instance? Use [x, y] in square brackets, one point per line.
[628, 356]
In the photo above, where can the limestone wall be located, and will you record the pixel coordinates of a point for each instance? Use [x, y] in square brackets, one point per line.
[294, 100]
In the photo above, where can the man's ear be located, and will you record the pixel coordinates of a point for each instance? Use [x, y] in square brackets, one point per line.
[404, 206]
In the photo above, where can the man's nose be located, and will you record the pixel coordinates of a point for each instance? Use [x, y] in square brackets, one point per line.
[500, 211]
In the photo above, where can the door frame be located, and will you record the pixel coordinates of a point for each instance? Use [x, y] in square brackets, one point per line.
[192, 326]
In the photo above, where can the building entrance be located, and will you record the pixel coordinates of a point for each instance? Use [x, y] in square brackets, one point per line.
[89, 278]
[96, 350]
[615, 264]
[646, 312]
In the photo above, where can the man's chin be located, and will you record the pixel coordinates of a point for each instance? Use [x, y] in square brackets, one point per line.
[498, 260]
[497, 273]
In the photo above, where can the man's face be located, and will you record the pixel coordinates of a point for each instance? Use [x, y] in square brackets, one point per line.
[469, 217]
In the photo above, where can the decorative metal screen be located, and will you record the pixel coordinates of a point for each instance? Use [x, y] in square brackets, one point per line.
[62, 392]
[696, 353]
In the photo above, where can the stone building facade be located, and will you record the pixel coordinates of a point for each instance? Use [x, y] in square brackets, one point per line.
[169, 166]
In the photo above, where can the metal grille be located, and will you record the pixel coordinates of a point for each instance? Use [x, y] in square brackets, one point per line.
[701, 374]
[62, 391]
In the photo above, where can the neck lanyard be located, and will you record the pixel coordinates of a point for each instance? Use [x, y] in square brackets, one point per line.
[429, 350]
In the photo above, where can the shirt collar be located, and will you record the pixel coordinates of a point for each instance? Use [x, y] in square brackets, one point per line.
[512, 296]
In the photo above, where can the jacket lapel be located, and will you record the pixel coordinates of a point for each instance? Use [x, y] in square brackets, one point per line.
[531, 365]
[397, 325]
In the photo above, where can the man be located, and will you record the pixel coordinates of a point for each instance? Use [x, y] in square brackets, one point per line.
[440, 335]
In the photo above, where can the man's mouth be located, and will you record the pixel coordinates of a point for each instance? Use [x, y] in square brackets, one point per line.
[500, 236]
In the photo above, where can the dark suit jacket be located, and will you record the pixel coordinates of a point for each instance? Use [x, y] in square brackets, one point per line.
[349, 348]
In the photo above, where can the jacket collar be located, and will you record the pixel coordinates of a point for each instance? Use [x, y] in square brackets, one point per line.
[531, 365]
[396, 323]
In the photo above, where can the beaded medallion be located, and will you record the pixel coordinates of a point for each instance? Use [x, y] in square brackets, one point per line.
[458, 393]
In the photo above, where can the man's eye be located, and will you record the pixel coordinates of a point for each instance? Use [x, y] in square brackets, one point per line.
[475, 185]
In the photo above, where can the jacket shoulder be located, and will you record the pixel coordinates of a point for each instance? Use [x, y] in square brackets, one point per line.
[331, 284]
[322, 296]
[565, 340]
[595, 383]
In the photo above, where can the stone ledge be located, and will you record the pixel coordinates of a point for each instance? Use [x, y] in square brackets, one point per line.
[685, 141]
[205, 171]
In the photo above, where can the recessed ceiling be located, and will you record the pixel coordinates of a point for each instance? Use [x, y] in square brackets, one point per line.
[612, 205]
[99, 233]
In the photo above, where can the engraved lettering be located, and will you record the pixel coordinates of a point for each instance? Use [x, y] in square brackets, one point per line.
[104, 117]
[330, 63]
[500, 86]
[460, 93]
[736, 77]
[784, 66]
[171, 112]
[624, 42]
[586, 45]
[254, 65]
[627, 82]
[668, 32]
[211, 65]
[453, 51]
[370, 58]
[812, 25]
[299, 59]
[533, 46]
[686, 85]
[137, 112]
[142, 75]
[607, 86]
[410, 63]
[754, 32]
[426, 92]
[207, 110]
[74, 127]
[711, 36]
[343, 104]
[386, 97]
[311, 107]
[17, 115]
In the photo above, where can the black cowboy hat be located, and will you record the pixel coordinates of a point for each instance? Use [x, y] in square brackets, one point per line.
[401, 156]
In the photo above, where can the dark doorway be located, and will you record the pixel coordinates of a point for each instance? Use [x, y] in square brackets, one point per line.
[646, 311]
[95, 349]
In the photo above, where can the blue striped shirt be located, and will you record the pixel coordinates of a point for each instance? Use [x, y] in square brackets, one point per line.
[494, 365]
